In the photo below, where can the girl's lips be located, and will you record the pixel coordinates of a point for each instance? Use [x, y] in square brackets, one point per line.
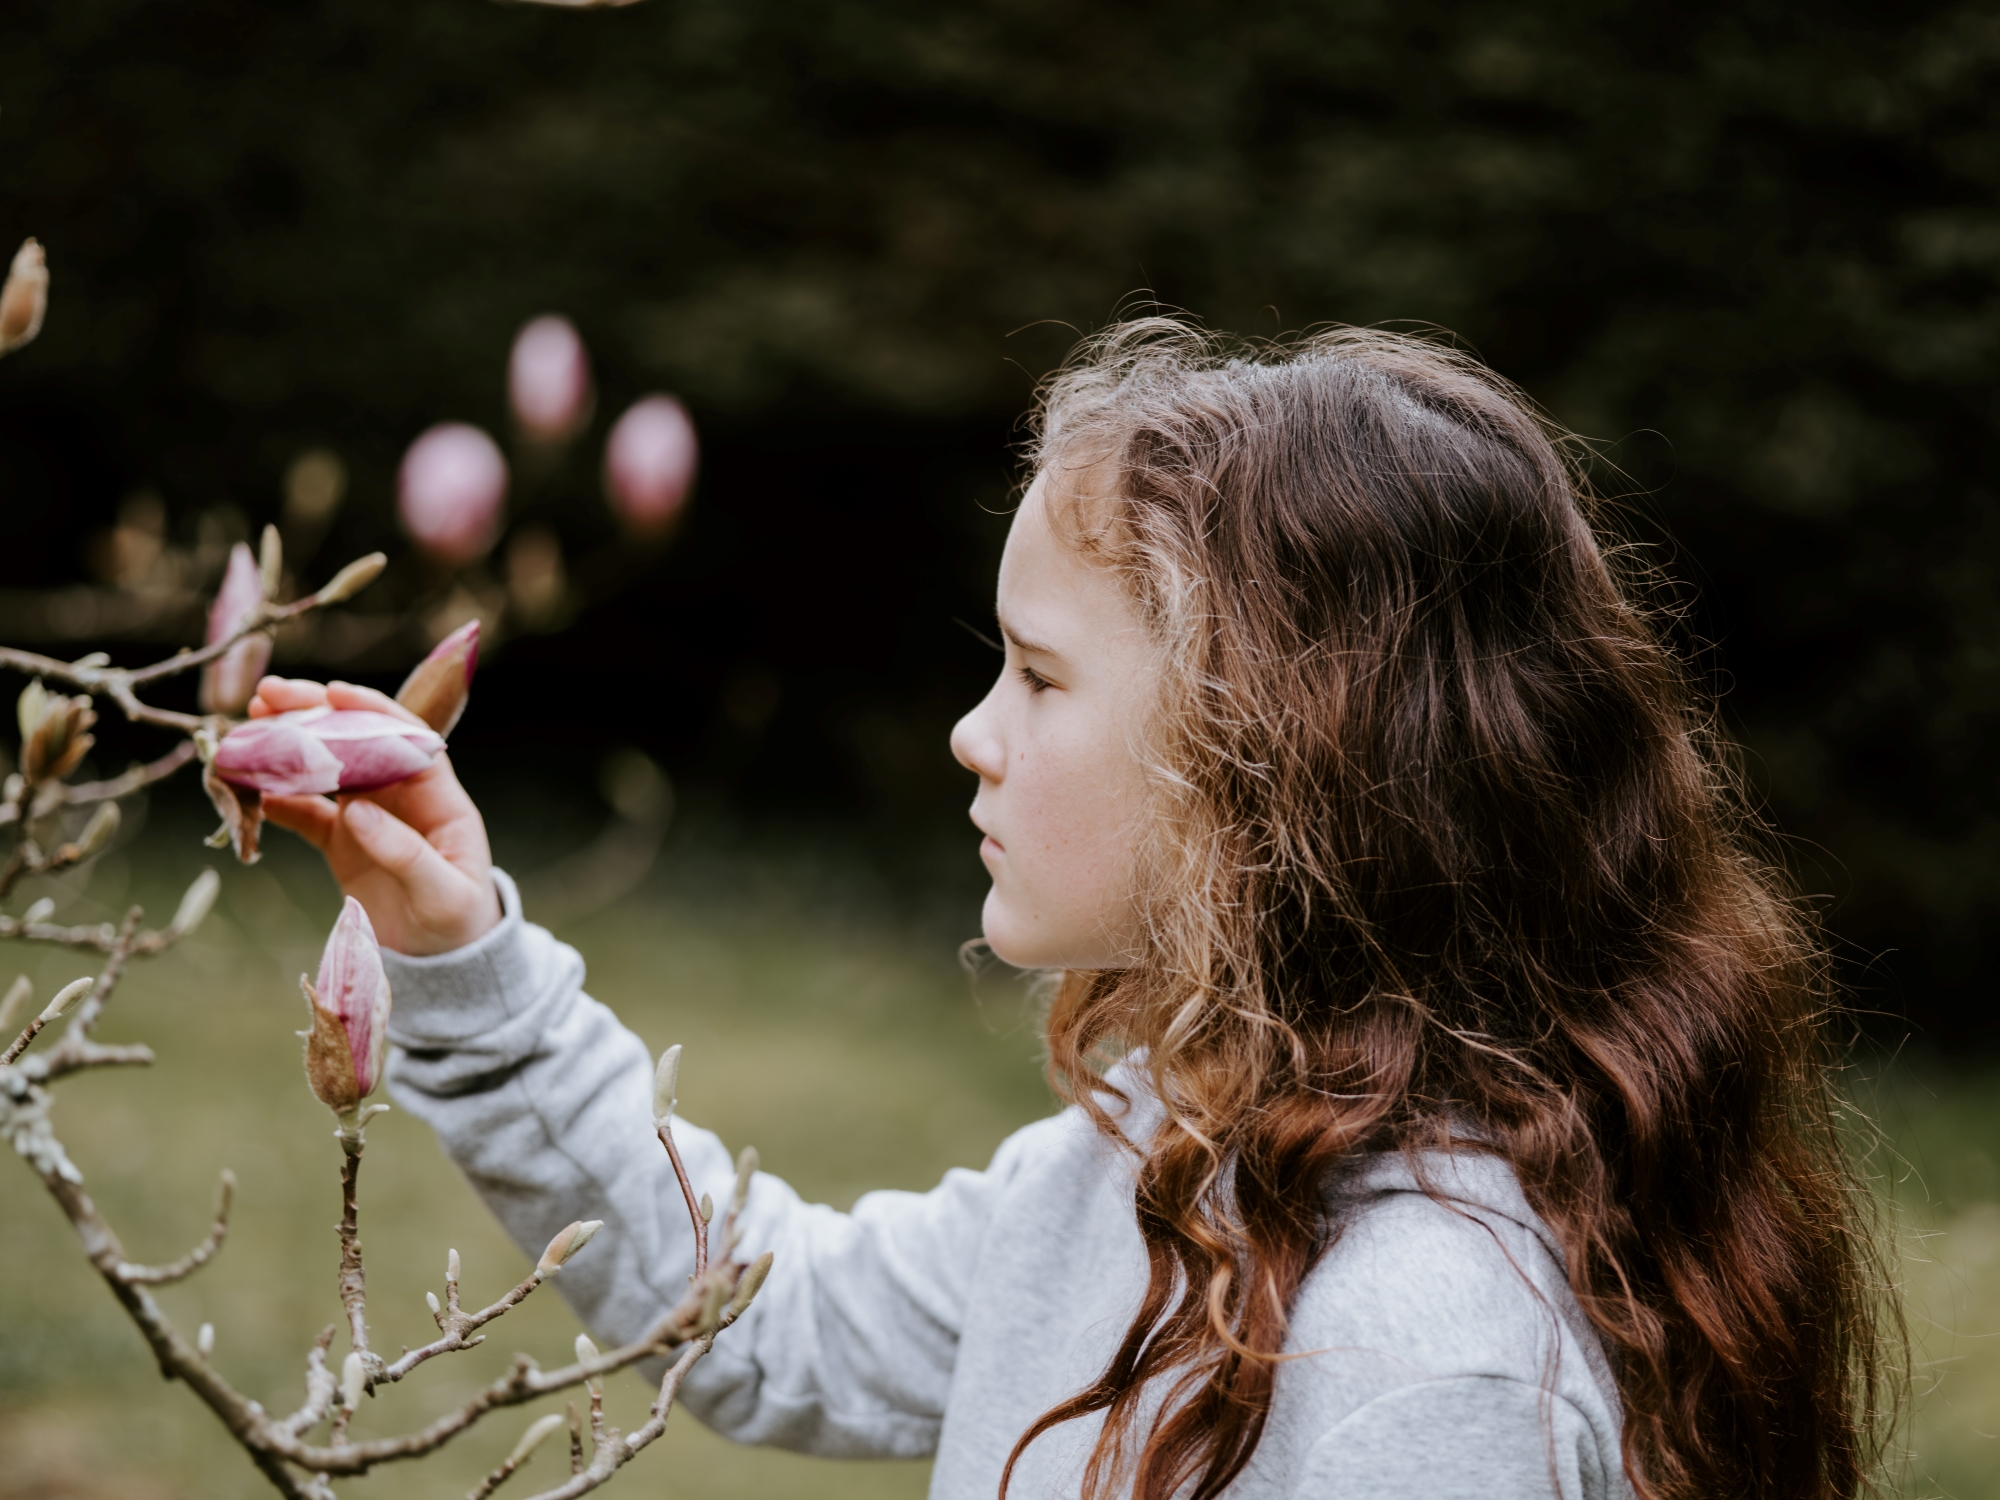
[990, 845]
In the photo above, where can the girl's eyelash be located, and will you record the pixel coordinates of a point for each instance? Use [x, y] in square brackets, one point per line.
[1036, 682]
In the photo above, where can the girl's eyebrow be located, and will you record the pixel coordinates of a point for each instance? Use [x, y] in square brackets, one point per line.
[1034, 648]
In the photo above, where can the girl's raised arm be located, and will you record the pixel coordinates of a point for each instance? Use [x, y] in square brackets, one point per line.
[545, 1102]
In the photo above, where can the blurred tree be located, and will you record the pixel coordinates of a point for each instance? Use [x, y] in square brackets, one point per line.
[1754, 246]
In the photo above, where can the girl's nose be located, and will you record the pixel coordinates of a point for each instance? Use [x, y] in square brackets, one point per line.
[974, 744]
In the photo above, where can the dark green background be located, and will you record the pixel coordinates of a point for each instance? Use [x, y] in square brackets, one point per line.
[1751, 247]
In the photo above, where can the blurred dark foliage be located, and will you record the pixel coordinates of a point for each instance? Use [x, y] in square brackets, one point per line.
[1752, 247]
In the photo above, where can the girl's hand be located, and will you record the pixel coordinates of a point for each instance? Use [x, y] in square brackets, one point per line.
[413, 853]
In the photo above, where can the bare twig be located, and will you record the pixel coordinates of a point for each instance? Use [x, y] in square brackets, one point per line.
[61, 794]
[353, 1279]
[196, 1258]
[456, 1326]
[22, 1042]
[321, 1386]
[665, 1132]
[120, 684]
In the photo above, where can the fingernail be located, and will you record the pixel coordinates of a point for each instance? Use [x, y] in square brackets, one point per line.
[363, 814]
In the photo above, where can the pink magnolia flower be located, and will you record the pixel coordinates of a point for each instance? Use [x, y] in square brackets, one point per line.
[437, 690]
[350, 1013]
[649, 462]
[319, 750]
[548, 380]
[227, 684]
[449, 492]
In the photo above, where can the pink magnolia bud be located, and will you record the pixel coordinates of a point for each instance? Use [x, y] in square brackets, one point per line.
[548, 380]
[228, 684]
[450, 490]
[350, 1014]
[649, 462]
[319, 750]
[437, 690]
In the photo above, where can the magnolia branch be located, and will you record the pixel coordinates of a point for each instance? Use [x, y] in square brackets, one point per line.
[120, 684]
[344, 1055]
[713, 1302]
[54, 795]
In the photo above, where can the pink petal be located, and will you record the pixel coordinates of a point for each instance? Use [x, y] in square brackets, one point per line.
[277, 757]
[377, 762]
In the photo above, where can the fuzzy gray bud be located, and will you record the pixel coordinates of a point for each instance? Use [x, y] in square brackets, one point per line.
[98, 831]
[196, 903]
[539, 1431]
[353, 578]
[666, 1083]
[68, 998]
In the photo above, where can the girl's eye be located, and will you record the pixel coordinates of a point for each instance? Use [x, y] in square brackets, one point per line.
[1036, 682]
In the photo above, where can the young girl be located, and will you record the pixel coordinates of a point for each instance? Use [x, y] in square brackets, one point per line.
[1447, 1083]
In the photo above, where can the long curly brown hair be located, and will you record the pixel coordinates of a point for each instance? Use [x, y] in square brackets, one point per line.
[1442, 838]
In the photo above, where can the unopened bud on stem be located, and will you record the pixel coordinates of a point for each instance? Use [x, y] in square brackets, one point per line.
[204, 1340]
[229, 682]
[353, 1379]
[17, 996]
[68, 998]
[353, 578]
[539, 1431]
[707, 1209]
[350, 1013]
[585, 1352]
[98, 831]
[666, 1083]
[54, 732]
[196, 903]
[746, 1168]
[567, 1242]
[431, 1301]
[271, 562]
[748, 1283]
[41, 911]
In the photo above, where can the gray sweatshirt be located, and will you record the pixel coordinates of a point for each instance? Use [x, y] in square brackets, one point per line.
[1442, 1352]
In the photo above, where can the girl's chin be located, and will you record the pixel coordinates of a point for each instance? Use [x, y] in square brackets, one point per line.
[1005, 938]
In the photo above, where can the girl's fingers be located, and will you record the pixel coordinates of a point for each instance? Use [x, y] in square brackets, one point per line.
[281, 695]
[427, 878]
[314, 819]
[352, 695]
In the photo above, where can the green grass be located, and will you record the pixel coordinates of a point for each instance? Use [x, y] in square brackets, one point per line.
[846, 1044]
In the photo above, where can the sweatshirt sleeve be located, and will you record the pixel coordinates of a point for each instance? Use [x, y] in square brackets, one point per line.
[1464, 1438]
[545, 1102]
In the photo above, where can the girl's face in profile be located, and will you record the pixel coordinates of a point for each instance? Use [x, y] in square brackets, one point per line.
[1061, 791]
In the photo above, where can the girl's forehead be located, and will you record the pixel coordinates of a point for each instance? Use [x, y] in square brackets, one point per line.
[1051, 593]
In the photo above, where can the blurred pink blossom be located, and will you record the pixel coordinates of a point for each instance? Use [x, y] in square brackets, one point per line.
[649, 462]
[548, 379]
[227, 684]
[450, 490]
[350, 1013]
[319, 750]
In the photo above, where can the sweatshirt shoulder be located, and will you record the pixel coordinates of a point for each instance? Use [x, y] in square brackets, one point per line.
[1439, 1266]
